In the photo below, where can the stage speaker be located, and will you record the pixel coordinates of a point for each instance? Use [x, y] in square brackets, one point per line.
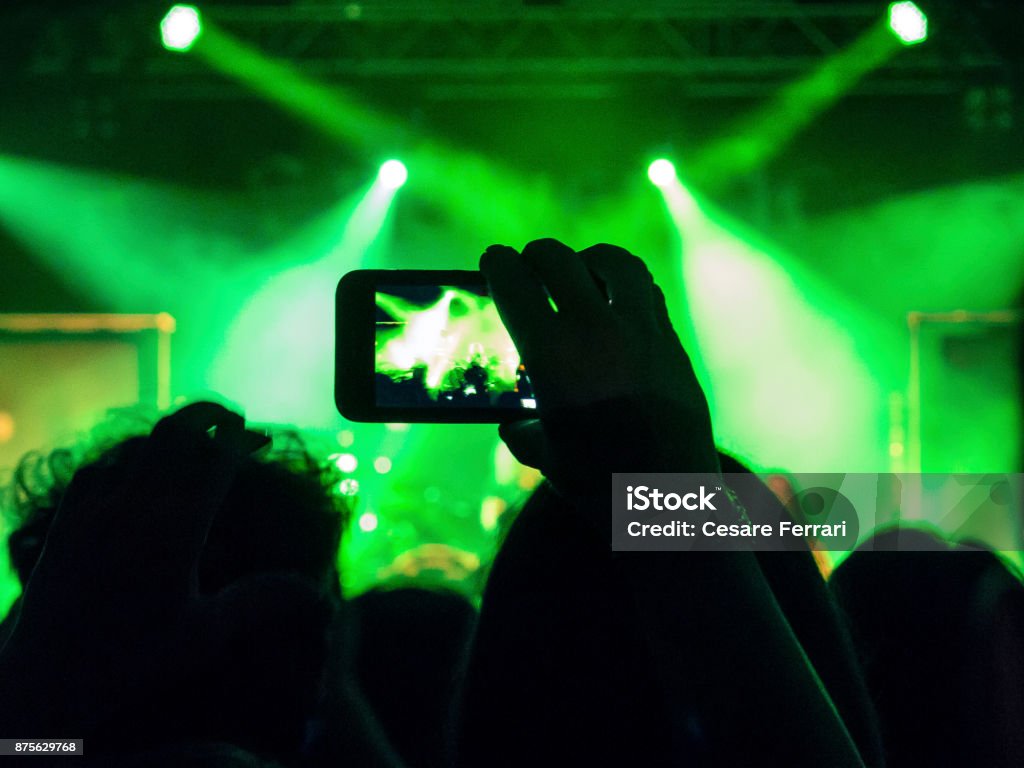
[60, 374]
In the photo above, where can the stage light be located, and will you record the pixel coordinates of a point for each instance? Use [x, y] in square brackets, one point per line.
[348, 487]
[368, 522]
[661, 172]
[345, 462]
[393, 174]
[382, 464]
[908, 22]
[180, 27]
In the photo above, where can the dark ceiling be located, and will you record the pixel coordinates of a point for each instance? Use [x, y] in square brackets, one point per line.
[582, 92]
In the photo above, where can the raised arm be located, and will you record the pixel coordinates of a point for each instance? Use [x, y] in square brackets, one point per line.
[618, 394]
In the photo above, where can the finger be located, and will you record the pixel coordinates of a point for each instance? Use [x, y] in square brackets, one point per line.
[661, 311]
[226, 428]
[195, 419]
[526, 441]
[665, 326]
[564, 276]
[192, 459]
[202, 443]
[198, 426]
[518, 295]
[627, 280]
[253, 441]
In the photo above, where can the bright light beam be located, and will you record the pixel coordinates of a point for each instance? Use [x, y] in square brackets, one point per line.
[88, 227]
[774, 351]
[290, 316]
[767, 130]
[932, 231]
[330, 110]
[486, 196]
[682, 205]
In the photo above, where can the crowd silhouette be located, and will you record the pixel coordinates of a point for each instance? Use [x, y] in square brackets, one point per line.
[181, 602]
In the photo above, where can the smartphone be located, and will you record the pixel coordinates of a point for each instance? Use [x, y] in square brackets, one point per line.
[425, 345]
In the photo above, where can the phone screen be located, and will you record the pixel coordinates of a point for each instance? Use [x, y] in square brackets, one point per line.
[444, 347]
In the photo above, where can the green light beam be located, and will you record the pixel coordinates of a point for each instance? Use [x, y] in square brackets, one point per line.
[139, 247]
[761, 135]
[956, 247]
[331, 110]
[88, 228]
[487, 197]
[779, 350]
[277, 356]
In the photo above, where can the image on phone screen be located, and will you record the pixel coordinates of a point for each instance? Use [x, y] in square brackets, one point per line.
[444, 346]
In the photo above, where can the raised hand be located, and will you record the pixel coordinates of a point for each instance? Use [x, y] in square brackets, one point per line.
[137, 529]
[617, 393]
[118, 573]
[593, 329]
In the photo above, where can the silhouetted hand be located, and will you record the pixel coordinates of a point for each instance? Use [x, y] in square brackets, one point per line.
[617, 393]
[609, 345]
[119, 570]
[138, 530]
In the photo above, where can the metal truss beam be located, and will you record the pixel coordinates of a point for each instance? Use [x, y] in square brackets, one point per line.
[489, 49]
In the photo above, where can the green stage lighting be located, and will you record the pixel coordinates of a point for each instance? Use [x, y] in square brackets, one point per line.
[908, 22]
[346, 462]
[180, 27]
[661, 172]
[393, 174]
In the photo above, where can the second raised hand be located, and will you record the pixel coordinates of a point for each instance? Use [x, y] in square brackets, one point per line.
[592, 327]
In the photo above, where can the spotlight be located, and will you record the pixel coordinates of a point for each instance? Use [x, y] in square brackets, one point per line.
[908, 23]
[348, 487]
[180, 27]
[345, 462]
[368, 522]
[661, 172]
[393, 174]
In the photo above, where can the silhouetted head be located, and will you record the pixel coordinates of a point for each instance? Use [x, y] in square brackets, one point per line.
[249, 655]
[279, 516]
[30, 503]
[409, 655]
[929, 619]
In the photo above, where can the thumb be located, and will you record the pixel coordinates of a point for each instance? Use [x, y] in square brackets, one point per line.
[527, 442]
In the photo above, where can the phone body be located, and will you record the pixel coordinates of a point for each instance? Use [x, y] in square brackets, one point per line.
[425, 346]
